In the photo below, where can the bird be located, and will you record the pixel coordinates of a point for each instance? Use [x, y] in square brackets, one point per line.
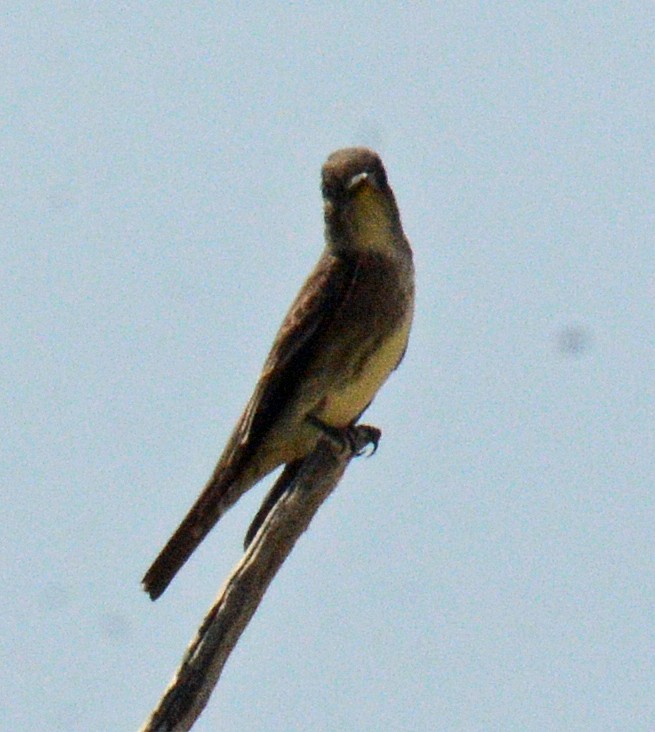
[344, 334]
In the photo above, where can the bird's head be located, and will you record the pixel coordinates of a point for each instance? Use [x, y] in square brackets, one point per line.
[360, 208]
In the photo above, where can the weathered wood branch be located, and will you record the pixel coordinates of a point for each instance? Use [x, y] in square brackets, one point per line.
[203, 662]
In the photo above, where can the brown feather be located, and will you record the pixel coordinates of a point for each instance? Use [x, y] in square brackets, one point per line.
[238, 468]
[344, 333]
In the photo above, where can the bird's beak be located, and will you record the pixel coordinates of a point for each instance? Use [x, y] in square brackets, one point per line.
[359, 179]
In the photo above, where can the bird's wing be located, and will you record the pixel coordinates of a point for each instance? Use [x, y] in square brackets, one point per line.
[293, 349]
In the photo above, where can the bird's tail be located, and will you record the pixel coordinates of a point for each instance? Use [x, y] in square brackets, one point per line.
[220, 493]
[271, 499]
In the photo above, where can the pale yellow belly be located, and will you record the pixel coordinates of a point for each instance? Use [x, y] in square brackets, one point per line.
[344, 405]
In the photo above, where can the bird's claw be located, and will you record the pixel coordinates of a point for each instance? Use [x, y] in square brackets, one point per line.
[355, 437]
[361, 436]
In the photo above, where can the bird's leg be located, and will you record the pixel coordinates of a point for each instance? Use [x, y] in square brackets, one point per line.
[354, 437]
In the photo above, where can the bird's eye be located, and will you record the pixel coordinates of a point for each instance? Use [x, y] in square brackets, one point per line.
[380, 176]
[333, 190]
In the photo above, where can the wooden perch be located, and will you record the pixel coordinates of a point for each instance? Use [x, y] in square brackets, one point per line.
[201, 667]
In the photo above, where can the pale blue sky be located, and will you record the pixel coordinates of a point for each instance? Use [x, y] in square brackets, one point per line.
[492, 567]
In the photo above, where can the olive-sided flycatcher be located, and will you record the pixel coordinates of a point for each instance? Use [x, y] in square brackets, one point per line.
[346, 331]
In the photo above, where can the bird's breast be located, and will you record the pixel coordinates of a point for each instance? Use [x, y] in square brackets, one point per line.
[347, 401]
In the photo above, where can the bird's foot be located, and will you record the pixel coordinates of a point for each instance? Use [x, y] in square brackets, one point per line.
[354, 437]
[365, 435]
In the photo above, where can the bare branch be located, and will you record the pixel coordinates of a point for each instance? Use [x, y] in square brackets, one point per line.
[203, 662]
